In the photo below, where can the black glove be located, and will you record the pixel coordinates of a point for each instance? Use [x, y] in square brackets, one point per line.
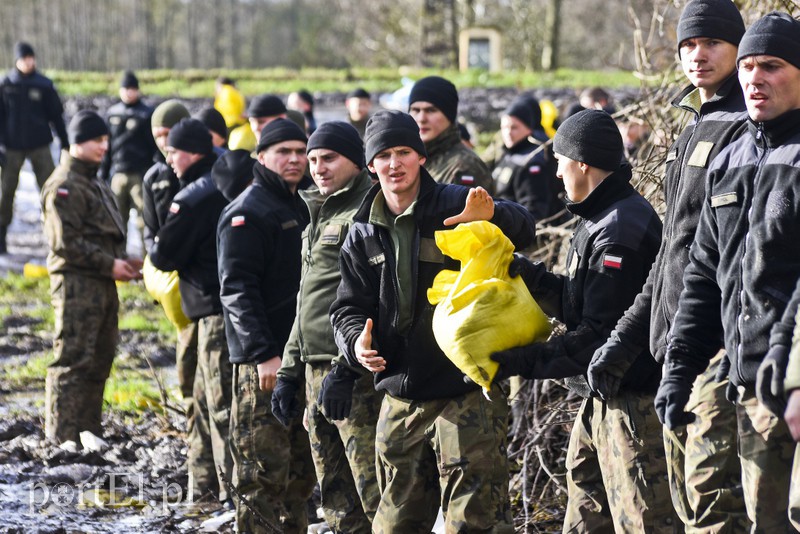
[609, 364]
[285, 404]
[528, 270]
[516, 361]
[673, 395]
[723, 370]
[769, 379]
[336, 395]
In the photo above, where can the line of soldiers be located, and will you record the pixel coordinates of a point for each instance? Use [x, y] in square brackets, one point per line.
[311, 299]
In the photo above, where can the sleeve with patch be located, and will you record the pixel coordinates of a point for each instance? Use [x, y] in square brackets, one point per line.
[612, 261]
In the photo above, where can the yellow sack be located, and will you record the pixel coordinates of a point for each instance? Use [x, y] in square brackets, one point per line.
[242, 137]
[480, 309]
[163, 287]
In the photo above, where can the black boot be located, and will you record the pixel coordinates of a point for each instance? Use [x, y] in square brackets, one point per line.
[3, 249]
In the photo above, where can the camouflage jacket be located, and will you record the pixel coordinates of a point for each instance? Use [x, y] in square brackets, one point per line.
[450, 162]
[82, 224]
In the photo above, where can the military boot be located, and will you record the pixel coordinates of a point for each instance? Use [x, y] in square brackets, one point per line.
[3, 249]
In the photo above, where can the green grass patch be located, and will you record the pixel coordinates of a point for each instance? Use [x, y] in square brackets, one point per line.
[139, 312]
[131, 391]
[16, 289]
[30, 373]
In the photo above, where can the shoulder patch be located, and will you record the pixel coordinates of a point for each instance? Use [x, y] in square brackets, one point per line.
[466, 179]
[612, 261]
[238, 220]
[534, 169]
[174, 207]
[62, 192]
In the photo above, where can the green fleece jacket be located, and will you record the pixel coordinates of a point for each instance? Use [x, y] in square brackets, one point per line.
[450, 162]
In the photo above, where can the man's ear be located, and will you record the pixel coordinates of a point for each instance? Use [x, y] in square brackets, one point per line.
[422, 160]
[371, 168]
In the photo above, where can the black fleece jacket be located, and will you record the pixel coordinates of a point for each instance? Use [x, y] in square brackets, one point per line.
[29, 106]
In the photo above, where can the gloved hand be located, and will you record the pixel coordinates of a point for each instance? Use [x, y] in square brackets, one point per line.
[609, 364]
[285, 404]
[3, 158]
[673, 395]
[723, 370]
[336, 395]
[516, 361]
[769, 379]
[528, 270]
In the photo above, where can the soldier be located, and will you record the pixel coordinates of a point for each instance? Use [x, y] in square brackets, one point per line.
[213, 120]
[743, 268]
[358, 104]
[29, 106]
[87, 254]
[264, 109]
[259, 239]
[433, 103]
[186, 243]
[303, 102]
[439, 440]
[705, 479]
[346, 427]
[132, 149]
[608, 260]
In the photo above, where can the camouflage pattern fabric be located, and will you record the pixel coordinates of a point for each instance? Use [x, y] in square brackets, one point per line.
[84, 346]
[616, 469]
[43, 166]
[272, 464]
[127, 188]
[443, 452]
[349, 488]
[767, 452]
[211, 409]
[703, 465]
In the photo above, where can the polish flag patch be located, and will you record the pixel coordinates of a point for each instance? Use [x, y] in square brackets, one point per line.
[612, 261]
[238, 220]
[62, 192]
[534, 169]
[467, 179]
[174, 207]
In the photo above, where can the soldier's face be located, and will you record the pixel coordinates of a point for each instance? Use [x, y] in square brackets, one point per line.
[330, 170]
[513, 130]
[91, 151]
[257, 123]
[160, 134]
[180, 160]
[771, 86]
[430, 119]
[287, 159]
[707, 62]
[358, 108]
[129, 95]
[398, 169]
[576, 182]
[27, 64]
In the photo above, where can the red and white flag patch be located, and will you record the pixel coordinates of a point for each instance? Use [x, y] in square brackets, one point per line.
[62, 192]
[174, 207]
[237, 220]
[612, 261]
[534, 169]
[466, 179]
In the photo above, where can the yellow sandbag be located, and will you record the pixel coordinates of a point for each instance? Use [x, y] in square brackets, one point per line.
[163, 287]
[480, 309]
[242, 137]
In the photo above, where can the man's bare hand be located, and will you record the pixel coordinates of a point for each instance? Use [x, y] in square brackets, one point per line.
[268, 373]
[123, 271]
[479, 207]
[365, 355]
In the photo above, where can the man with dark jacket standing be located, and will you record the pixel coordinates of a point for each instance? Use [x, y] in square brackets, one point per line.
[743, 268]
[259, 241]
[186, 243]
[439, 440]
[29, 106]
[610, 254]
[433, 103]
[342, 404]
[132, 149]
[704, 473]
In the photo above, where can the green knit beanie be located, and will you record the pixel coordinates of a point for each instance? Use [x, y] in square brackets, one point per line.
[168, 114]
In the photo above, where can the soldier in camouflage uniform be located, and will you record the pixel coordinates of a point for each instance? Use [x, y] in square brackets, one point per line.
[87, 254]
[616, 469]
[433, 103]
[346, 426]
[703, 465]
[440, 442]
[743, 268]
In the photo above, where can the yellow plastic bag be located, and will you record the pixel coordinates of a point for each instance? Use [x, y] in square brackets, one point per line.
[163, 287]
[480, 309]
[242, 137]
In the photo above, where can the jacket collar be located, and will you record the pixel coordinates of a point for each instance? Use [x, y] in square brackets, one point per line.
[200, 168]
[271, 181]
[615, 187]
[445, 140]
[83, 168]
[730, 88]
[773, 133]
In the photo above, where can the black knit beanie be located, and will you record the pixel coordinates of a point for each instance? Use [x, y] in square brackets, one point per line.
[358, 93]
[213, 120]
[523, 109]
[266, 106]
[129, 80]
[190, 135]
[340, 137]
[775, 34]
[85, 126]
[232, 172]
[439, 92]
[389, 128]
[718, 19]
[590, 136]
[278, 131]
[23, 49]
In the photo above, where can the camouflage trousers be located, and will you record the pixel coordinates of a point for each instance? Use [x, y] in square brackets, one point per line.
[186, 359]
[794, 490]
[766, 451]
[705, 474]
[85, 342]
[127, 188]
[273, 469]
[344, 453]
[616, 469]
[43, 167]
[443, 452]
[211, 410]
